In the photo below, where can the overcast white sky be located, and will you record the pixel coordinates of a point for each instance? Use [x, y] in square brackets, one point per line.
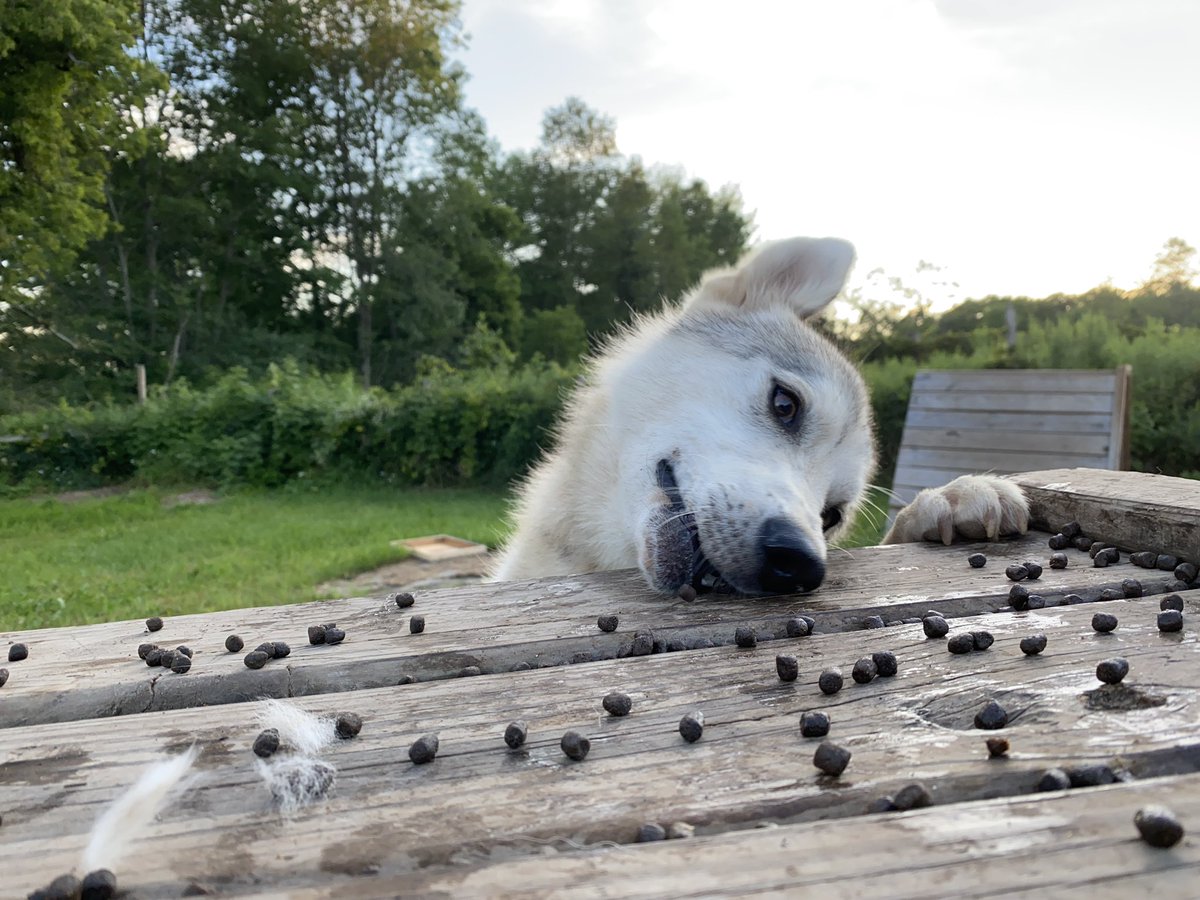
[1026, 146]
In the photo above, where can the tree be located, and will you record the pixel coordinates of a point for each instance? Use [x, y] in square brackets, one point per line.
[1174, 268]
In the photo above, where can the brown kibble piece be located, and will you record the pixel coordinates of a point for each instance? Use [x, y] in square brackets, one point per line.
[787, 667]
[335, 635]
[180, 662]
[912, 796]
[1171, 601]
[814, 724]
[575, 745]
[98, 885]
[416, 625]
[347, 725]
[607, 623]
[234, 644]
[864, 670]
[830, 681]
[1058, 560]
[997, 747]
[403, 600]
[256, 659]
[687, 593]
[691, 727]
[515, 734]
[267, 742]
[423, 749]
[1158, 826]
[316, 634]
[831, 759]
[144, 650]
[154, 623]
[3, 677]
[18, 652]
[617, 704]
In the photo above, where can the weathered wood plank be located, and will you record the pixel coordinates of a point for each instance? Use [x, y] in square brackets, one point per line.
[1064, 422]
[986, 460]
[75, 673]
[1082, 381]
[1009, 402]
[479, 801]
[1137, 510]
[957, 437]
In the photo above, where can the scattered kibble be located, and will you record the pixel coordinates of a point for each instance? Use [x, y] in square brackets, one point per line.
[1054, 780]
[347, 725]
[997, 747]
[335, 635]
[1033, 645]
[991, 717]
[1058, 560]
[234, 644]
[154, 623]
[1072, 599]
[1033, 571]
[745, 638]
[1018, 597]
[651, 831]
[831, 681]
[158, 657]
[267, 742]
[1109, 594]
[403, 599]
[885, 663]
[1131, 588]
[617, 704]
[642, 644]
[961, 643]
[280, 650]
[1113, 671]
[864, 671]
[1081, 542]
[3, 677]
[935, 626]
[1104, 622]
[687, 593]
[787, 667]
[982, 639]
[469, 671]
[425, 748]
[814, 724]
[874, 622]
[977, 560]
[881, 805]
[267, 647]
[144, 650]
[797, 627]
[1144, 559]
[416, 625]
[607, 623]
[255, 659]
[515, 734]
[410, 679]
[1166, 562]
[811, 623]
[1096, 547]
[1158, 826]
[1186, 572]
[316, 634]
[575, 745]
[1100, 560]
[98, 885]
[691, 727]
[18, 652]
[1171, 601]
[1090, 776]
[1016, 573]
[1170, 620]
[1035, 601]
[64, 887]
[1058, 542]
[1071, 530]
[1114, 555]
[180, 662]
[912, 796]
[831, 759]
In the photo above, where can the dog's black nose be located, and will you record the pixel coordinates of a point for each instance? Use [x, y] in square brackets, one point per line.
[788, 562]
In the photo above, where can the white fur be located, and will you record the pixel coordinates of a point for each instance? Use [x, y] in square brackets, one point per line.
[690, 386]
[295, 775]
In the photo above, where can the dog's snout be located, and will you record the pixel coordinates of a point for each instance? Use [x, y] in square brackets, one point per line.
[789, 563]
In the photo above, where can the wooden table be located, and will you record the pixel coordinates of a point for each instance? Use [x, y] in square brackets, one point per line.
[82, 716]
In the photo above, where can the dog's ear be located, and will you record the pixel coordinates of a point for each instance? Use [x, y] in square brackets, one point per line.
[800, 274]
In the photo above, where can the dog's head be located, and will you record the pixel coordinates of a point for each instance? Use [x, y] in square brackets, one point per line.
[746, 438]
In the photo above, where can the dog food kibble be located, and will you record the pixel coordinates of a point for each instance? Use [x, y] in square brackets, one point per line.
[1170, 620]
[935, 626]
[3, 677]
[154, 623]
[17, 652]
[1095, 548]
[1109, 594]
[864, 671]
[977, 560]
[1158, 826]
[997, 747]
[515, 734]
[1090, 776]
[1058, 542]
[1113, 671]
[1166, 562]
[1016, 573]
[1071, 530]
[885, 663]
[415, 625]
[1131, 588]
[787, 667]
[797, 627]
[874, 622]
[687, 594]
[335, 635]
[468, 671]
[1058, 560]
[234, 644]
[991, 717]
[256, 659]
[144, 650]
[651, 832]
[642, 644]
[607, 623]
[617, 704]
[268, 647]
[316, 634]
[691, 727]
[1186, 571]
[347, 725]
[961, 643]
[1034, 570]
[830, 681]
[1144, 559]
[1036, 601]
[814, 724]
[64, 887]
[1071, 599]
[267, 742]
[912, 796]
[881, 805]
[745, 638]
[1100, 560]
[1171, 601]
[98, 885]
[1054, 780]
[1033, 645]
[425, 748]
[831, 759]
[155, 656]
[404, 600]
[186, 651]
[1081, 542]
[810, 622]
[1018, 597]
[982, 639]
[280, 650]
[1104, 622]
[180, 662]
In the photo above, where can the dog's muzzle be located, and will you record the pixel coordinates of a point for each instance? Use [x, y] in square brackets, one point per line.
[678, 532]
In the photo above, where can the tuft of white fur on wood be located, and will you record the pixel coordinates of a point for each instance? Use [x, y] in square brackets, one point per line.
[296, 780]
[300, 730]
[131, 813]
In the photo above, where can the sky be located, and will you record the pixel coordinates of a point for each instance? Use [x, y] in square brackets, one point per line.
[1021, 146]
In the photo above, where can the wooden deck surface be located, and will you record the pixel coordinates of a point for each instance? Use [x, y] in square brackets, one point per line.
[82, 717]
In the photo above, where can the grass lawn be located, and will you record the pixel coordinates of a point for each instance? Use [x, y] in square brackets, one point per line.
[129, 556]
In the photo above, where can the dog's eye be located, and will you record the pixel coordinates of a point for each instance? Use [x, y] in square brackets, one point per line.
[785, 405]
[830, 517]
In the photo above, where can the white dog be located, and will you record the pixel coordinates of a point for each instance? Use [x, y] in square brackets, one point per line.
[724, 443]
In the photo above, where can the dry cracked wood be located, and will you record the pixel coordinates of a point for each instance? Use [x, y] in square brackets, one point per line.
[478, 802]
[77, 673]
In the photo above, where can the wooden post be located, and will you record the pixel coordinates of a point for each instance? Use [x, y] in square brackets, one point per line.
[141, 383]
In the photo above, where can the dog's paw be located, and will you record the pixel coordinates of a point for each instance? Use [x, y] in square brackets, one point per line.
[976, 507]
